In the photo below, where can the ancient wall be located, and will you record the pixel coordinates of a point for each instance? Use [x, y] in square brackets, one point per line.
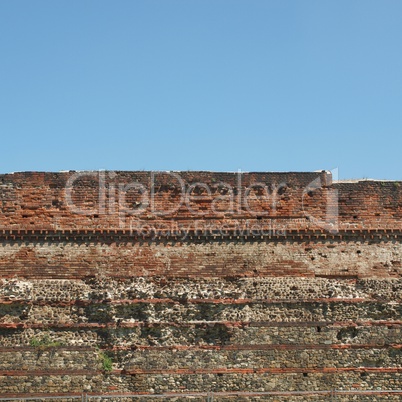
[253, 286]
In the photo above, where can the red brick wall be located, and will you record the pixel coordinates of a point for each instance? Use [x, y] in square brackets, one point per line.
[255, 282]
[197, 223]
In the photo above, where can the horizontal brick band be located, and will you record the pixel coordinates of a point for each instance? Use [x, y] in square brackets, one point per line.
[111, 324]
[128, 236]
[181, 300]
[332, 392]
[209, 347]
[287, 370]
[258, 347]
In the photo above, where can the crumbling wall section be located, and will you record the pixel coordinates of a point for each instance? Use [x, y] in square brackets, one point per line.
[253, 286]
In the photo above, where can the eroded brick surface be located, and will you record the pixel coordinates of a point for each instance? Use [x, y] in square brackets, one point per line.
[293, 307]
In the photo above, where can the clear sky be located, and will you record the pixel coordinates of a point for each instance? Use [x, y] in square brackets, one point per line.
[256, 85]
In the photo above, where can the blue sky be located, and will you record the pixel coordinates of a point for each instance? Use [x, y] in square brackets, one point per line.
[202, 85]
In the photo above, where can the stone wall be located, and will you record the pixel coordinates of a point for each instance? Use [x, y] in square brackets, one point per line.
[289, 311]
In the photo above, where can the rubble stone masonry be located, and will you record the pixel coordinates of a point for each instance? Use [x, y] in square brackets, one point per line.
[243, 286]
